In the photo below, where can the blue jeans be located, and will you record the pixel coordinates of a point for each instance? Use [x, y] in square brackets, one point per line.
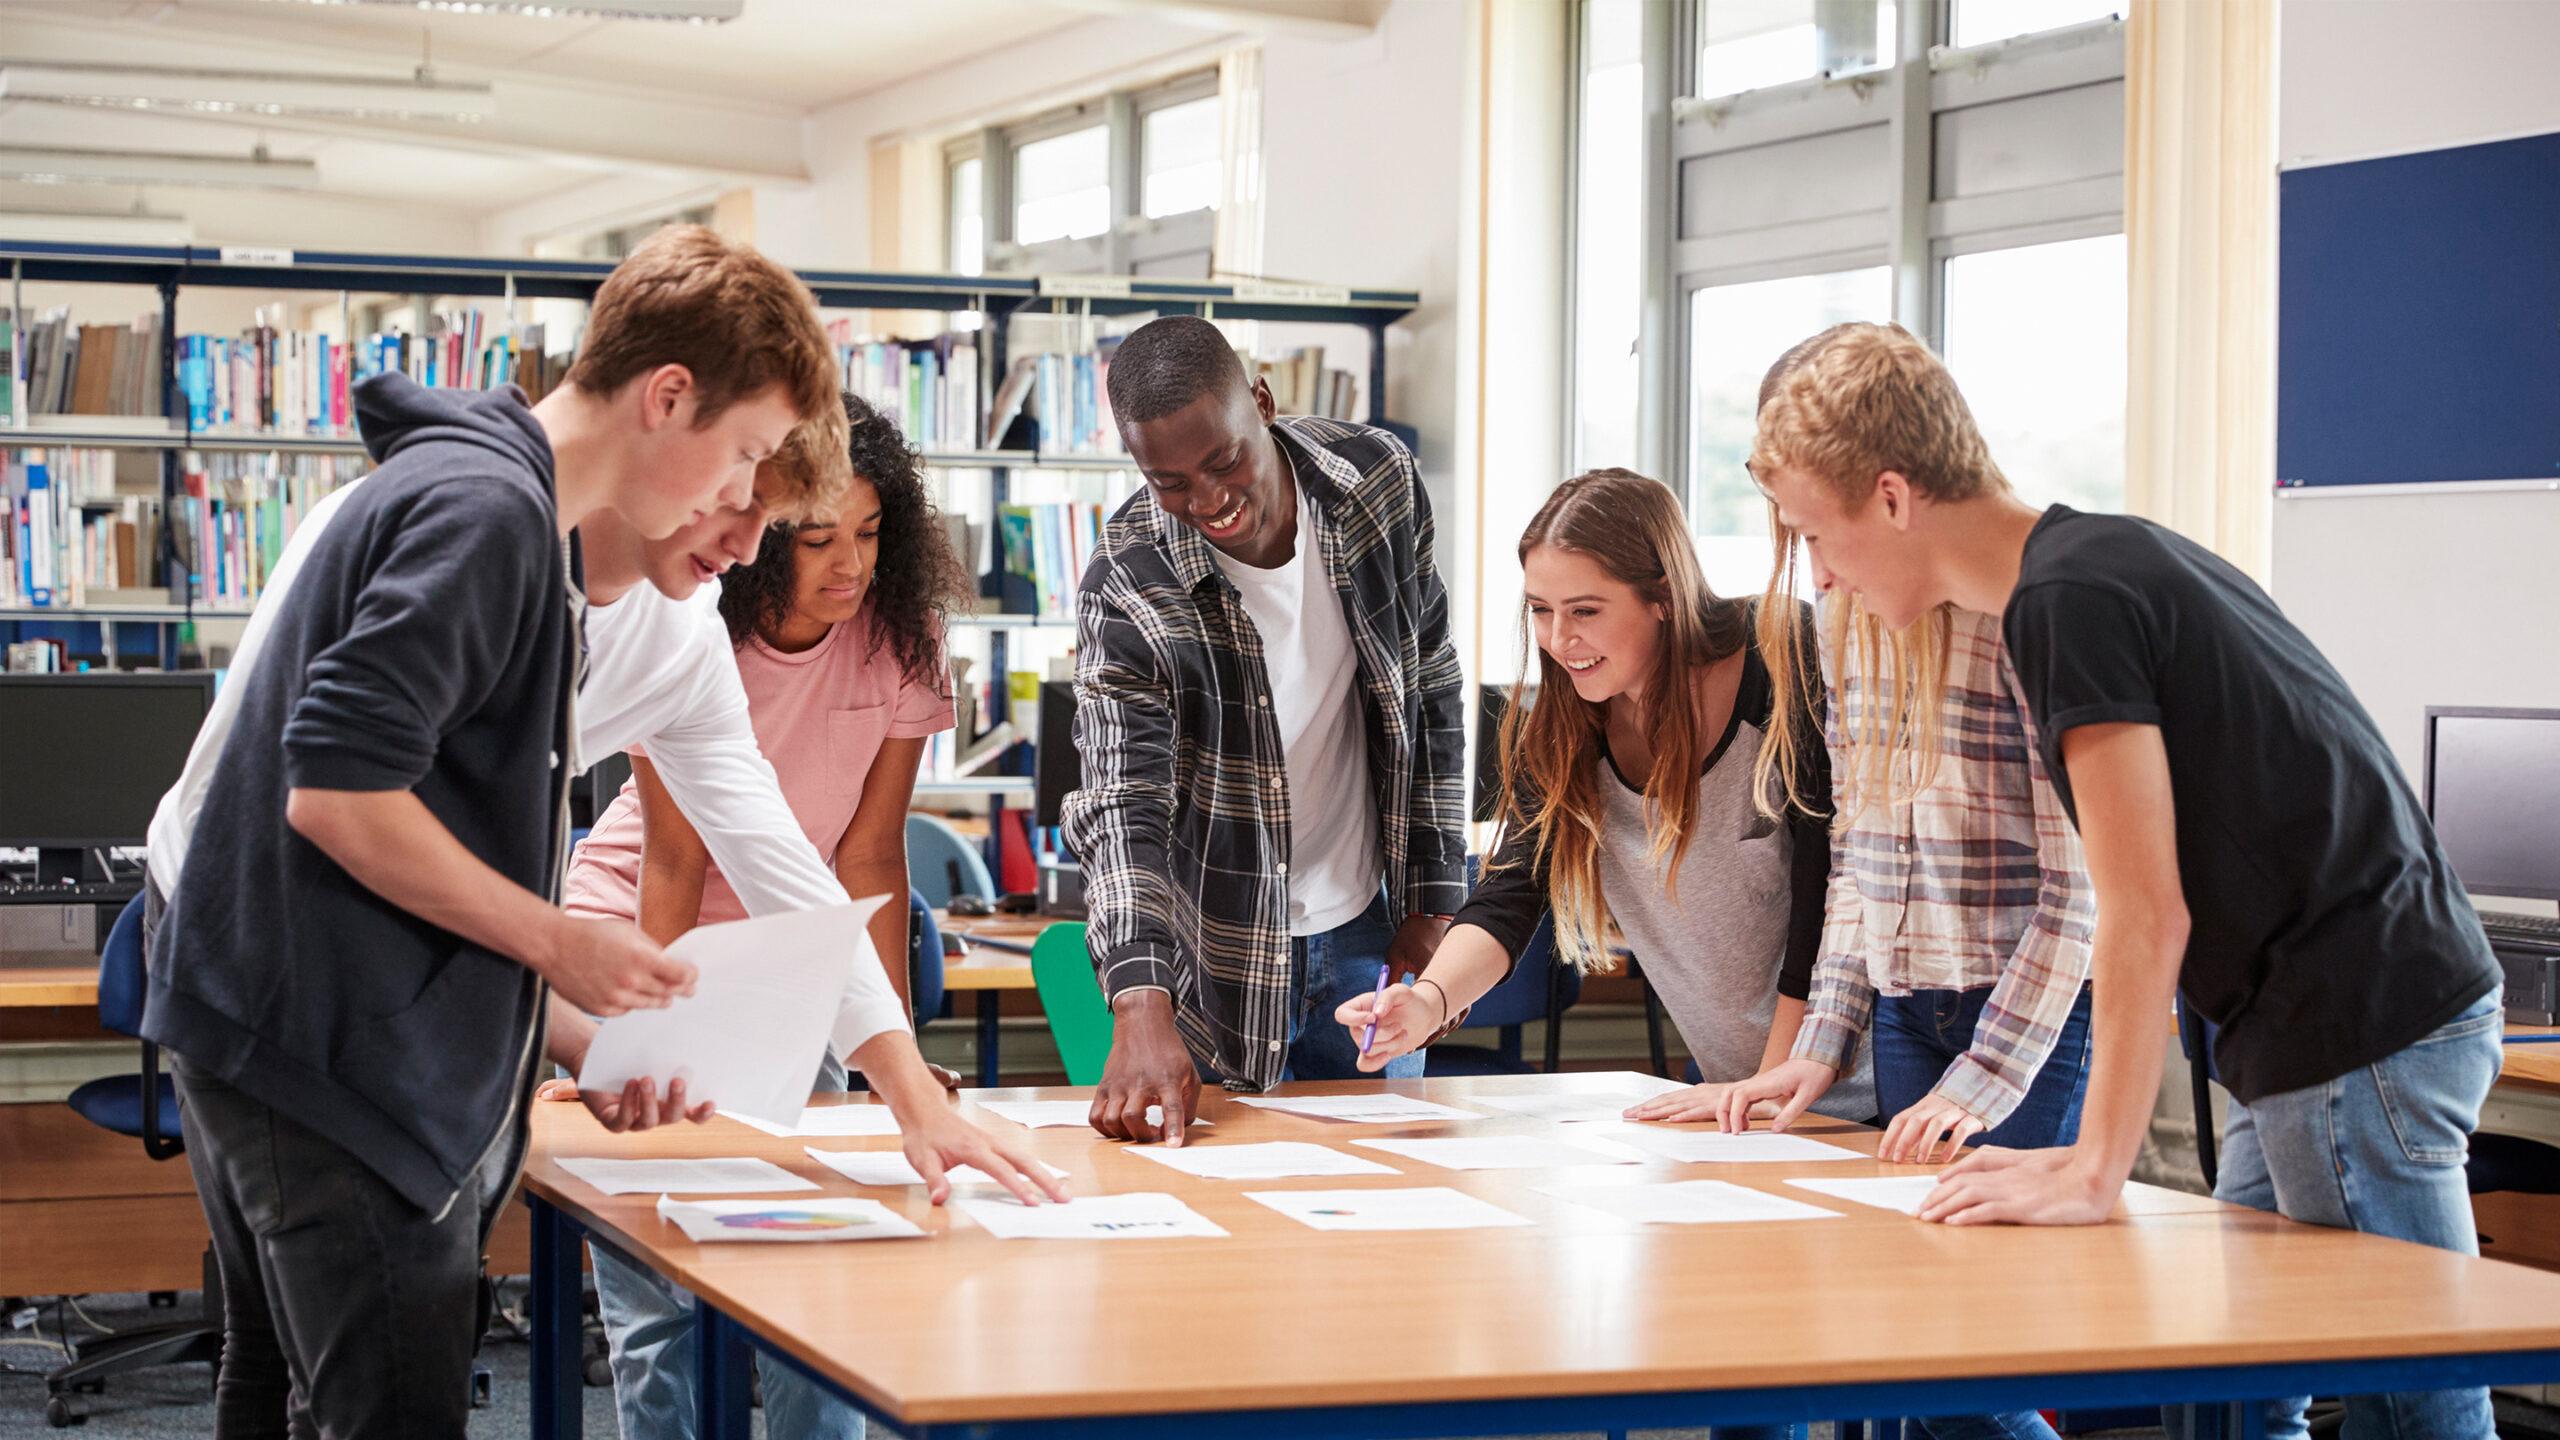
[1917, 1036]
[648, 1328]
[2379, 1151]
[1332, 968]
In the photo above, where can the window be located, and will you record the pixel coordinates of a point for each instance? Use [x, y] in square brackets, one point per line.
[1753, 44]
[2036, 337]
[1735, 333]
[1608, 246]
[1979, 22]
[1178, 147]
[968, 227]
[1062, 187]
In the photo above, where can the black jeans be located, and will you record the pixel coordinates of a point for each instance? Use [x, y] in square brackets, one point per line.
[346, 1310]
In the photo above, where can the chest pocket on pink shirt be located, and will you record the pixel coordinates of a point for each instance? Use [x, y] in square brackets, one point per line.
[853, 742]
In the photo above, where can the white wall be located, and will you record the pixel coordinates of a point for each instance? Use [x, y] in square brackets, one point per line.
[2442, 598]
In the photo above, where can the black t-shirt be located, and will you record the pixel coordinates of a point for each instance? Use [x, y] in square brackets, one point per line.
[2326, 928]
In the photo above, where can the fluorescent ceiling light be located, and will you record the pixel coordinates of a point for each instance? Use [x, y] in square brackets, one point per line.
[128, 227]
[54, 165]
[245, 92]
[696, 12]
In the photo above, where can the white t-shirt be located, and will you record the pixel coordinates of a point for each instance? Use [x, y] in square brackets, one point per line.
[659, 672]
[1334, 865]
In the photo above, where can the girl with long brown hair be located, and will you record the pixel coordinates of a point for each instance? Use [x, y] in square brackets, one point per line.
[1631, 791]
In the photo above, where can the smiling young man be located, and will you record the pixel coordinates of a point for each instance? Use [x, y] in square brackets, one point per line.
[352, 973]
[2250, 839]
[1268, 715]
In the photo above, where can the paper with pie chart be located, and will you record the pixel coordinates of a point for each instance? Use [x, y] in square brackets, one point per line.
[1424, 1207]
[785, 1222]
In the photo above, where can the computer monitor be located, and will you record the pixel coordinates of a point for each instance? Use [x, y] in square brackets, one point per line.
[2492, 787]
[1059, 771]
[84, 759]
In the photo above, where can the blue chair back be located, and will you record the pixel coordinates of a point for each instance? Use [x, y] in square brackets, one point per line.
[1522, 996]
[120, 973]
[925, 956]
[941, 863]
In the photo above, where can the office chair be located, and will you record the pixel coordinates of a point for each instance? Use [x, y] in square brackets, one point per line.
[924, 959]
[942, 863]
[144, 1106]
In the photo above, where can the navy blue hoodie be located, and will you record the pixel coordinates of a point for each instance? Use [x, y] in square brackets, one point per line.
[426, 645]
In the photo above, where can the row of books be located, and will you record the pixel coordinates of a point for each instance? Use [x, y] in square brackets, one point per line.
[299, 383]
[66, 369]
[1059, 404]
[930, 387]
[229, 525]
[70, 534]
[1046, 549]
[1301, 385]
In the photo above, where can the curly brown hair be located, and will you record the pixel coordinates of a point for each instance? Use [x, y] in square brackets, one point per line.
[917, 584]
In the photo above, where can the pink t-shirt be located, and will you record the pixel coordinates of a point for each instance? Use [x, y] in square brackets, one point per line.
[820, 716]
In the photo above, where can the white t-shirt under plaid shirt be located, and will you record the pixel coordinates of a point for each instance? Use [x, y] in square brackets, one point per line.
[1975, 880]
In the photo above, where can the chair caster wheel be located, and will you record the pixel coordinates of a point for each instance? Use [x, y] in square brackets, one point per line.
[61, 1414]
[597, 1372]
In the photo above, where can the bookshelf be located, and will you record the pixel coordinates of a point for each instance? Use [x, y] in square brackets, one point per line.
[999, 298]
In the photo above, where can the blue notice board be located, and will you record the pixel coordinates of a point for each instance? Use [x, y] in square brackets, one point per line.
[2418, 328]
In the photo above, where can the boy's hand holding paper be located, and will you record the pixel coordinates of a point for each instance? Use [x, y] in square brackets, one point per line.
[751, 1035]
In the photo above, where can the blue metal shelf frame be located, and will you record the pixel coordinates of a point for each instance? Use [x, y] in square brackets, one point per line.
[2232, 1390]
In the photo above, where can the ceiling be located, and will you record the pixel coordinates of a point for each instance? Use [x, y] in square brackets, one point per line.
[579, 99]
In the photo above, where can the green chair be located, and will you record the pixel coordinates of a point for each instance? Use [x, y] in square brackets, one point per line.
[1079, 1018]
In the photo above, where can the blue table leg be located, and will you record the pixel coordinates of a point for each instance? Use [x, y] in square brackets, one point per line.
[725, 1373]
[559, 1382]
[989, 1004]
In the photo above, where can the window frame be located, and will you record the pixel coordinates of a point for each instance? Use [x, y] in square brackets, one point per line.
[1132, 243]
[1913, 230]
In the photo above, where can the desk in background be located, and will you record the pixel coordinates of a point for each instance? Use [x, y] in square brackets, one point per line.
[1582, 1322]
[1000, 961]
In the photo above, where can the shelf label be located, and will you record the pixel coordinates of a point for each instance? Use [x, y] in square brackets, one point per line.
[1292, 292]
[266, 256]
[1097, 287]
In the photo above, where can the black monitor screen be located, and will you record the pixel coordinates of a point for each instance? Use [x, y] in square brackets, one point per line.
[84, 759]
[2493, 791]
[1059, 769]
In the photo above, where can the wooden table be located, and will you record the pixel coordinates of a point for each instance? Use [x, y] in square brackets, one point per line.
[1002, 963]
[49, 985]
[1580, 1322]
[2532, 1066]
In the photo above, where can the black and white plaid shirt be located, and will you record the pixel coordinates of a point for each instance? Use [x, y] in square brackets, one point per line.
[1182, 824]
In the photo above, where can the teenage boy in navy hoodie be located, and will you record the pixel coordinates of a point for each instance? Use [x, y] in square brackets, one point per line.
[351, 977]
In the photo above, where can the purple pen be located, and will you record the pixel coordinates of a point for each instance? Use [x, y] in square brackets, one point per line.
[1371, 1037]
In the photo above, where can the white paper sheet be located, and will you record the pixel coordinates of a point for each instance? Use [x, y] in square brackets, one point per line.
[1507, 1152]
[841, 1122]
[1430, 1207]
[889, 1167]
[1141, 1215]
[1269, 1161]
[742, 1175]
[1062, 1114]
[1570, 1107]
[785, 1221]
[1885, 1192]
[1688, 1202]
[1712, 1147]
[756, 1026]
[1359, 1109]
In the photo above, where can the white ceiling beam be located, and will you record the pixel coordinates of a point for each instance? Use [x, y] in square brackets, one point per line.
[586, 126]
[1305, 19]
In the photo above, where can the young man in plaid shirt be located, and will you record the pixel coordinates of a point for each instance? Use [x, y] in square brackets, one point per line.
[1268, 714]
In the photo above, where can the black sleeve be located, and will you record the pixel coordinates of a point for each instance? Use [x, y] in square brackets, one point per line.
[1510, 897]
[1810, 872]
[2084, 656]
[463, 580]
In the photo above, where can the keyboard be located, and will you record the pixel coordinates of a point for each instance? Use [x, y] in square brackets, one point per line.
[86, 892]
[2533, 929]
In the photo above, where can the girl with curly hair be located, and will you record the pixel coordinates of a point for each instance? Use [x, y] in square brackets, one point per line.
[837, 627]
